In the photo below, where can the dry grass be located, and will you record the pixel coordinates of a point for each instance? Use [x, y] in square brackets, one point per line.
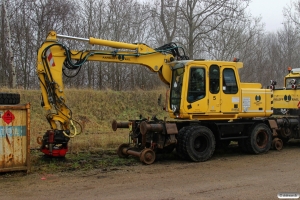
[95, 110]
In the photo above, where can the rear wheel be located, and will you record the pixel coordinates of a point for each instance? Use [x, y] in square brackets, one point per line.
[199, 143]
[9, 98]
[260, 139]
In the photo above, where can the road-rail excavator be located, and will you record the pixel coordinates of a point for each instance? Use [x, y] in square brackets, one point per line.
[208, 103]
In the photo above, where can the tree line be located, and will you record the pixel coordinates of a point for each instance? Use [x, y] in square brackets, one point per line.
[206, 29]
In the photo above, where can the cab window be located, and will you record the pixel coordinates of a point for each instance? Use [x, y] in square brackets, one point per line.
[229, 82]
[290, 82]
[214, 79]
[196, 88]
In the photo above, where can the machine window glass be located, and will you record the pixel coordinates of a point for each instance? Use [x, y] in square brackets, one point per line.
[229, 82]
[176, 89]
[290, 83]
[196, 88]
[214, 79]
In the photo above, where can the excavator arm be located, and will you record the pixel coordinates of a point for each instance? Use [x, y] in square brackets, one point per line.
[54, 57]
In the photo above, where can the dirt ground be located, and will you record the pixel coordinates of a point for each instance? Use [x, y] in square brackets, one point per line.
[227, 175]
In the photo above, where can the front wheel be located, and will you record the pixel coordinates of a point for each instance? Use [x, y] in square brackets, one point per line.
[180, 146]
[199, 143]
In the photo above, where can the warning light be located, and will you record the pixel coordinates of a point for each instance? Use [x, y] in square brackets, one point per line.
[236, 59]
[289, 69]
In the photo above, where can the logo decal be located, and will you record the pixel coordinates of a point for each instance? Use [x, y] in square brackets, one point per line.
[257, 98]
[287, 98]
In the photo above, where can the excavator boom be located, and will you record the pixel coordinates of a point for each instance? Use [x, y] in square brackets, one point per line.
[54, 57]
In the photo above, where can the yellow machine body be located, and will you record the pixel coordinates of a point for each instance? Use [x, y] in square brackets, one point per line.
[288, 97]
[231, 99]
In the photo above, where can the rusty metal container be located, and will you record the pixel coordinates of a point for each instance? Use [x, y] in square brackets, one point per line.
[15, 137]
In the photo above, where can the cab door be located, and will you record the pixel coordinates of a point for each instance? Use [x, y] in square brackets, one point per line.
[214, 89]
[196, 95]
[230, 93]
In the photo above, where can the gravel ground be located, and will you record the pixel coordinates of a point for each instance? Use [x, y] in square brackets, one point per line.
[227, 175]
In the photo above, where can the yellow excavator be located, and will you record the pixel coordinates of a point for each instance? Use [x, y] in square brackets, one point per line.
[209, 104]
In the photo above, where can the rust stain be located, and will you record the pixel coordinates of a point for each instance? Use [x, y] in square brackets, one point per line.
[15, 144]
[7, 140]
[10, 158]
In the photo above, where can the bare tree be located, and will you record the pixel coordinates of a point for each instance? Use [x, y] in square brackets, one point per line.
[201, 18]
[292, 12]
[165, 15]
[4, 73]
[206, 28]
[234, 36]
[13, 82]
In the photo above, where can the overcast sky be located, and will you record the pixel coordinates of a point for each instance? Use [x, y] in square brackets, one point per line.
[270, 11]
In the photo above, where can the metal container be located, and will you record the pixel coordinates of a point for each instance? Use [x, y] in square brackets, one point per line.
[14, 137]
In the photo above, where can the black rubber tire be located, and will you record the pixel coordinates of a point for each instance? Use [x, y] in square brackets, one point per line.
[199, 143]
[9, 98]
[180, 145]
[260, 139]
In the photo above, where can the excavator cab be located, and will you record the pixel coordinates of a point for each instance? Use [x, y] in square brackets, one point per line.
[206, 90]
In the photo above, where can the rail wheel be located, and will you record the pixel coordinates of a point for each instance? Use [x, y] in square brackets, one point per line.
[199, 143]
[260, 139]
[277, 144]
[147, 156]
[120, 152]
